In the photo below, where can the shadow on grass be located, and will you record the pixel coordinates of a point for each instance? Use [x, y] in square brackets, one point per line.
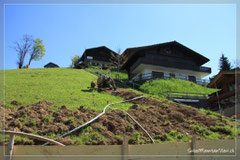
[87, 90]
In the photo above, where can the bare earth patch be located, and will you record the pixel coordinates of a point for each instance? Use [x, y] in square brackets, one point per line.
[159, 118]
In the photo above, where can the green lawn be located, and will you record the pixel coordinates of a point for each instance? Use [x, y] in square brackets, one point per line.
[162, 86]
[62, 86]
[112, 71]
[175, 85]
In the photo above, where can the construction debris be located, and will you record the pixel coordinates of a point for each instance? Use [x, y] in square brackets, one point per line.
[106, 82]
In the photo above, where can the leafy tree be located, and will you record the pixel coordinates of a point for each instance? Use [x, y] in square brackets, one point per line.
[75, 61]
[22, 47]
[224, 64]
[38, 51]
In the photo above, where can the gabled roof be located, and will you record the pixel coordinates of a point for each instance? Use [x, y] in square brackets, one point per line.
[51, 63]
[97, 49]
[221, 75]
[131, 52]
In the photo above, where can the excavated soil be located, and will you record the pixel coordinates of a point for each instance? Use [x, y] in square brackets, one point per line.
[157, 119]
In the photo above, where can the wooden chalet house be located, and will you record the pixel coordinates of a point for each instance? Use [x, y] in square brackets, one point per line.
[164, 60]
[228, 97]
[99, 56]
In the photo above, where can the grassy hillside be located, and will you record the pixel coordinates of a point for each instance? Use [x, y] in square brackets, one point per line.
[177, 85]
[165, 120]
[153, 87]
[59, 85]
[112, 71]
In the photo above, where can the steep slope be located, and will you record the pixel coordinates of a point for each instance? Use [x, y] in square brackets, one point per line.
[63, 86]
[50, 102]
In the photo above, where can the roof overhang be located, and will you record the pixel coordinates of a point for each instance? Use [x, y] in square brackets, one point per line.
[221, 76]
[131, 53]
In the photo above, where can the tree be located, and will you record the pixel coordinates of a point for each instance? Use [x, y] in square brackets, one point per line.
[118, 59]
[37, 51]
[75, 61]
[23, 47]
[224, 64]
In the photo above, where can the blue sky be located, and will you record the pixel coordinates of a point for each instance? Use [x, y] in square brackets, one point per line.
[66, 30]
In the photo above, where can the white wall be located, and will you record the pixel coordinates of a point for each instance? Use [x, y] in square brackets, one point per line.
[145, 69]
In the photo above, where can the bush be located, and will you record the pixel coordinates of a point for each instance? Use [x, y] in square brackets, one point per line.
[75, 61]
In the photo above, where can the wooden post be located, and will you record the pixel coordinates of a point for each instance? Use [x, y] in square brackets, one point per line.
[93, 99]
[193, 143]
[125, 148]
[10, 147]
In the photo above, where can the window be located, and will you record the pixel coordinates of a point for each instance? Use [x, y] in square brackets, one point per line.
[89, 57]
[172, 75]
[192, 78]
[168, 50]
[157, 74]
[231, 87]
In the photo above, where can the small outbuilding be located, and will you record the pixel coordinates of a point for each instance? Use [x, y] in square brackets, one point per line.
[51, 65]
[99, 56]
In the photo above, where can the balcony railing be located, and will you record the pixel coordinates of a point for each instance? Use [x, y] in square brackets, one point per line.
[166, 76]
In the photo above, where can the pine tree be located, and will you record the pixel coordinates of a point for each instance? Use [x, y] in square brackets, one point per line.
[224, 64]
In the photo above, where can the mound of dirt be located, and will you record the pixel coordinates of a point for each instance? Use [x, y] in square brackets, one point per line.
[159, 118]
[15, 103]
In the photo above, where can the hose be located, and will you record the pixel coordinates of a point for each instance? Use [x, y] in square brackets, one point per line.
[139, 125]
[95, 118]
[40, 138]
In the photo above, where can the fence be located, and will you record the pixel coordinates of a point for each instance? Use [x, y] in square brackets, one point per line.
[186, 95]
[207, 149]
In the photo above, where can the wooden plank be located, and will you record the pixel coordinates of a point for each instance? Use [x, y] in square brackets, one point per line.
[10, 147]
[125, 148]
[186, 100]
[177, 149]
[193, 146]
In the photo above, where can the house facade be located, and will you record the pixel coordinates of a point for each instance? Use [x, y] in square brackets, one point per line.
[51, 65]
[227, 99]
[164, 60]
[99, 56]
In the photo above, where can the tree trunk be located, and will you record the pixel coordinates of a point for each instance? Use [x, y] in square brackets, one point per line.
[20, 65]
[30, 60]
